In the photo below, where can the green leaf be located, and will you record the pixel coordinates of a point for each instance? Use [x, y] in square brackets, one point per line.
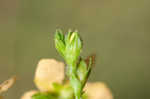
[63, 91]
[57, 87]
[66, 92]
[44, 96]
[59, 42]
[82, 70]
[90, 60]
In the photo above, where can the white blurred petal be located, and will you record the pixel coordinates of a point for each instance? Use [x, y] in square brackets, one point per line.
[49, 71]
[98, 90]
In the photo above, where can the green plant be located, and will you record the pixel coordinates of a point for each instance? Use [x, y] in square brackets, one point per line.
[78, 69]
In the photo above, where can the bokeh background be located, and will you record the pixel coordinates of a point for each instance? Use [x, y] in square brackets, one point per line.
[118, 31]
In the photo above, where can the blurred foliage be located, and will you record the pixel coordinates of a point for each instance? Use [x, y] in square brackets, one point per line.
[117, 31]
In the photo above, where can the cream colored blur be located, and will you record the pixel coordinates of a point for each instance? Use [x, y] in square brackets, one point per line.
[6, 85]
[29, 94]
[98, 90]
[48, 71]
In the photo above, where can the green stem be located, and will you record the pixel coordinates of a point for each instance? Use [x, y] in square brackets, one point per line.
[75, 82]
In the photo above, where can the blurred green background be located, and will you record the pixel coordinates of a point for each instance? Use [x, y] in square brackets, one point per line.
[118, 31]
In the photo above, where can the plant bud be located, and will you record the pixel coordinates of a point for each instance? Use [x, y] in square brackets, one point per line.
[73, 47]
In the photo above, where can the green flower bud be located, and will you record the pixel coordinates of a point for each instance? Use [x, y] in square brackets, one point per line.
[73, 47]
[69, 46]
